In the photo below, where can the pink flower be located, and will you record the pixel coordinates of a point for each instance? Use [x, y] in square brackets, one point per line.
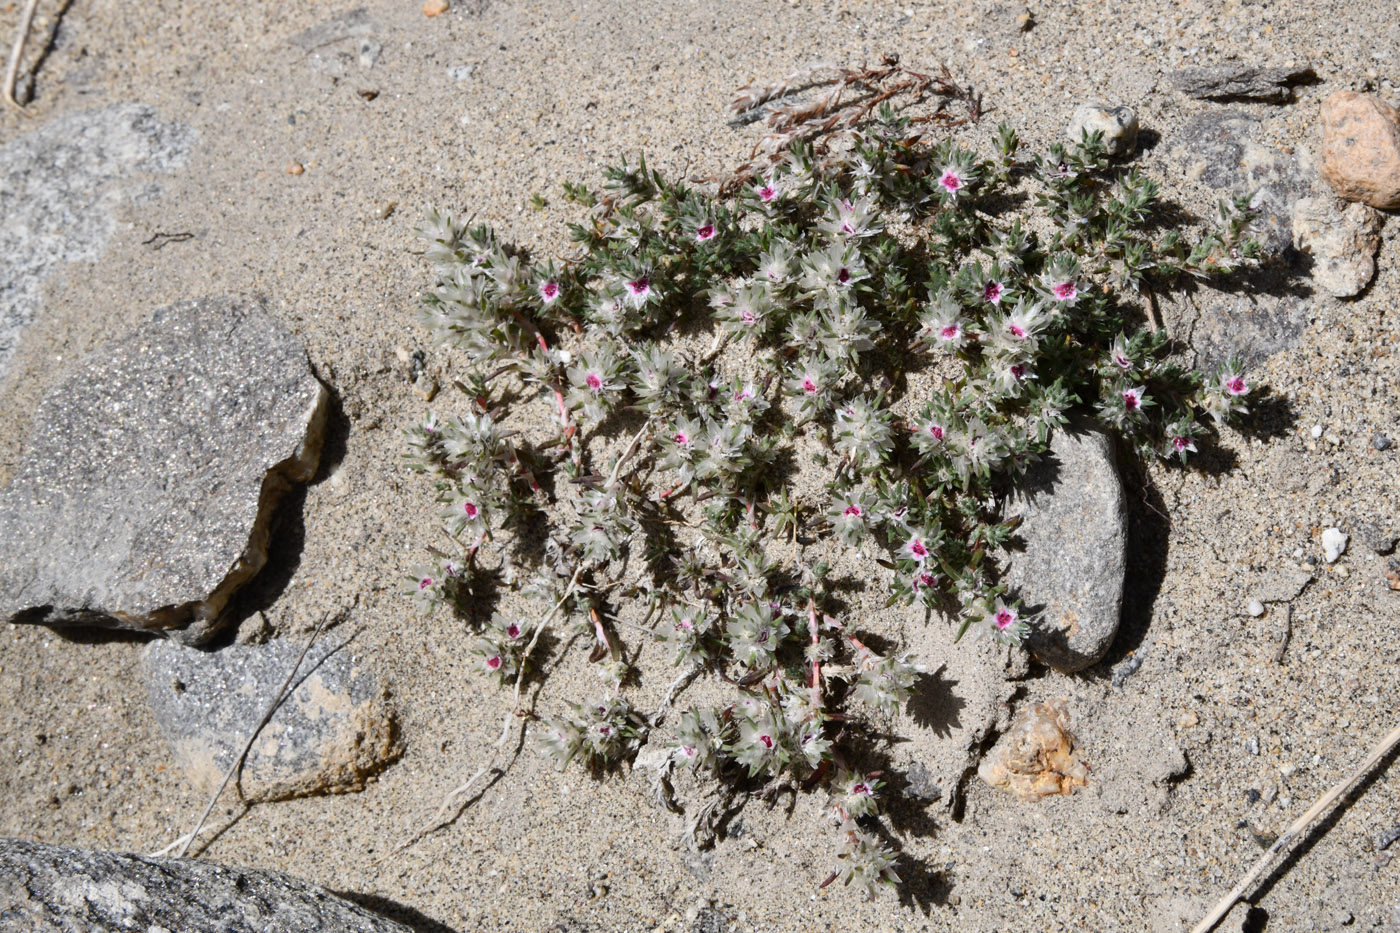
[924, 580]
[549, 291]
[1122, 360]
[1016, 330]
[1235, 385]
[808, 385]
[854, 509]
[471, 510]
[705, 232]
[1065, 291]
[935, 431]
[682, 438]
[1132, 399]
[768, 191]
[494, 662]
[513, 631]
[640, 288]
[747, 316]
[992, 291]
[950, 181]
[766, 740]
[424, 583]
[860, 788]
[594, 381]
[917, 549]
[1018, 371]
[843, 276]
[950, 332]
[1004, 618]
[1183, 445]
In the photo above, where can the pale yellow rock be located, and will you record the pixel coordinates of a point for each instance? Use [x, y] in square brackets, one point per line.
[1037, 756]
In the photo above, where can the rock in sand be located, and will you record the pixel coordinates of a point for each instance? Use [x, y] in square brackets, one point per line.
[1119, 126]
[1361, 148]
[1074, 525]
[60, 889]
[146, 492]
[332, 731]
[1342, 240]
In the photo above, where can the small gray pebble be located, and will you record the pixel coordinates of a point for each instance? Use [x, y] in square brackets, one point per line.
[369, 53]
[1380, 441]
[461, 72]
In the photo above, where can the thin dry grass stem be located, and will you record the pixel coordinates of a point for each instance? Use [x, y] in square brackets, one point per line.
[16, 53]
[441, 818]
[236, 765]
[855, 93]
[677, 685]
[1383, 748]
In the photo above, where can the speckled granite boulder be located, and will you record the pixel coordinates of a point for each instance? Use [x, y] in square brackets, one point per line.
[55, 889]
[331, 733]
[145, 494]
[1074, 525]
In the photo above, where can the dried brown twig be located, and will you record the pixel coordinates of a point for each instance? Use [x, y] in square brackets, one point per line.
[16, 53]
[854, 94]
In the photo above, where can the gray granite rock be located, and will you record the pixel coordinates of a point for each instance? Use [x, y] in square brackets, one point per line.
[1252, 327]
[1342, 240]
[1074, 525]
[58, 187]
[1119, 126]
[1219, 150]
[56, 889]
[146, 491]
[1241, 82]
[331, 732]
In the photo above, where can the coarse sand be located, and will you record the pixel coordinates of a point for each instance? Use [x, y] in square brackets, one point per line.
[556, 90]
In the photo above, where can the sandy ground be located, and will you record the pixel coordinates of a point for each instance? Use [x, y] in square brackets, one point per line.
[559, 89]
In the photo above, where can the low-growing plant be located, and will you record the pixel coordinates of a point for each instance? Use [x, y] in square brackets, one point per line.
[898, 322]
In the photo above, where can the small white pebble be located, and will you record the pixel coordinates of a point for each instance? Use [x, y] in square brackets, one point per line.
[1316, 430]
[1334, 544]
[1256, 608]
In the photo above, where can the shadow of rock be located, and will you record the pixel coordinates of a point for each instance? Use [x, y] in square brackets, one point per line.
[410, 917]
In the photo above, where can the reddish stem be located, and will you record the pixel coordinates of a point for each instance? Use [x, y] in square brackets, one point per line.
[814, 634]
[598, 629]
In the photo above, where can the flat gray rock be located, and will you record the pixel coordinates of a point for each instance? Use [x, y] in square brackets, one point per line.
[58, 188]
[1219, 149]
[331, 732]
[56, 889]
[145, 494]
[1237, 82]
[1074, 525]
